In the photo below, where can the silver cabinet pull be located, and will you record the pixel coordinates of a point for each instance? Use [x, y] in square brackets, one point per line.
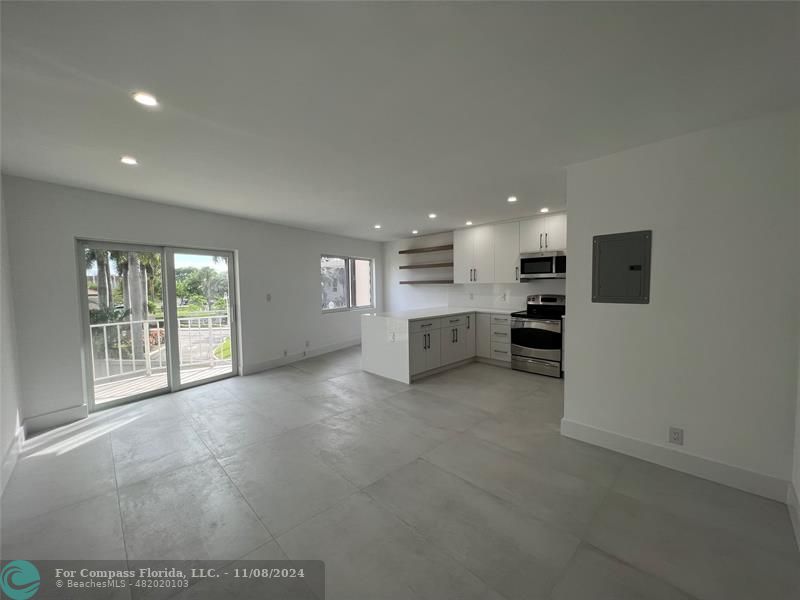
[516, 273]
[476, 274]
[540, 241]
[467, 321]
[500, 333]
[545, 240]
[501, 351]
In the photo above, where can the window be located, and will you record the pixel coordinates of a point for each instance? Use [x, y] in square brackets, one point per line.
[346, 283]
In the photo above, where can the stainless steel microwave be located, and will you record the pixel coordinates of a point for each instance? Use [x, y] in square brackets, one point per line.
[542, 265]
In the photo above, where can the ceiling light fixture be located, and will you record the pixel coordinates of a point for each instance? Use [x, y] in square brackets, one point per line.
[432, 216]
[414, 231]
[145, 99]
[544, 210]
[468, 223]
[129, 160]
[377, 226]
[512, 198]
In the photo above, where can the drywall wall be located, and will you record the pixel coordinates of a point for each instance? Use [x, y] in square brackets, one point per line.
[44, 221]
[715, 351]
[404, 297]
[9, 391]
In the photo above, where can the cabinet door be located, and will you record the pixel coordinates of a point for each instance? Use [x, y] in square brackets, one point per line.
[483, 341]
[469, 334]
[556, 232]
[463, 250]
[506, 252]
[418, 352]
[531, 235]
[433, 357]
[460, 347]
[448, 345]
[483, 261]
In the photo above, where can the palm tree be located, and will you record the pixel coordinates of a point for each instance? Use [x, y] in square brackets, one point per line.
[100, 258]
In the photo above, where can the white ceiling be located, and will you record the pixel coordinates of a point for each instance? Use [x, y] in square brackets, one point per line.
[337, 116]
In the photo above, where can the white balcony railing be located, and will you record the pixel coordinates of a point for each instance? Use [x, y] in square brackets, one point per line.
[137, 348]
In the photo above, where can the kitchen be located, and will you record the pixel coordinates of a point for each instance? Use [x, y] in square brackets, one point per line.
[493, 293]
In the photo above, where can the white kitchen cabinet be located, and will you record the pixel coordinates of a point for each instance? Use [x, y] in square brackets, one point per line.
[434, 358]
[542, 234]
[463, 251]
[483, 335]
[473, 255]
[506, 252]
[531, 235]
[556, 232]
[469, 334]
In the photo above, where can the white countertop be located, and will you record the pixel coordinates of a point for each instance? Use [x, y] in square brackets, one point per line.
[440, 311]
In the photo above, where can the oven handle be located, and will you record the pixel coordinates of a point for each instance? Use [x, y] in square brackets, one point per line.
[545, 324]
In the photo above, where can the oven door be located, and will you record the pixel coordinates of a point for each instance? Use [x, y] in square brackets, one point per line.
[539, 338]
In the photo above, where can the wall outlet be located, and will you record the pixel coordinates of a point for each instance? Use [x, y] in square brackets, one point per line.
[308, 344]
[505, 296]
[471, 296]
[285, 352]
[269, 297]
[676, 436]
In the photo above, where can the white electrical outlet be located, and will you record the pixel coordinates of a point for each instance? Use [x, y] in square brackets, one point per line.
[269, 297]
[676, 436]
[308, 344]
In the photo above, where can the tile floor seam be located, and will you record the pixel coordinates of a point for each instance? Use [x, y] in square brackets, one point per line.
[119, 501]
[504, 501]
[637, 569]
[433, 542]
[238, 491]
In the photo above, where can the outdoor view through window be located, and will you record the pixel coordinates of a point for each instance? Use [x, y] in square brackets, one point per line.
[346, 283]
[128, 331]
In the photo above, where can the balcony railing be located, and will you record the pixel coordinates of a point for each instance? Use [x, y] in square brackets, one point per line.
[137, 347]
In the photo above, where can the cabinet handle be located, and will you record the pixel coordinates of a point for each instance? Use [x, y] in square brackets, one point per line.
[500, 333]
[540, 241]
[516, 273]
[456, 335]
[545, 240]
[500, 351]
[467, 321]
[476, 274]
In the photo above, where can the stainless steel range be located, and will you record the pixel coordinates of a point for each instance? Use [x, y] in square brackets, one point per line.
[536, 340]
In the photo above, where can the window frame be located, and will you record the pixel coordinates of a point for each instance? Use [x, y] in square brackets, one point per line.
[350, 283]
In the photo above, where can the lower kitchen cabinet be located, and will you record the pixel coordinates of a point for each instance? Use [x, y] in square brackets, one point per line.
[483, 335]
[424, 351]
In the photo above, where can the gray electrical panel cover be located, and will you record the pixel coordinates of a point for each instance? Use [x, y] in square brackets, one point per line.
[621, 267]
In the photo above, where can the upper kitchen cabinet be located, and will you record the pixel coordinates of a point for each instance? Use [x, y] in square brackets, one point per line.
[473, 255]
[541, 234]
[506, 252]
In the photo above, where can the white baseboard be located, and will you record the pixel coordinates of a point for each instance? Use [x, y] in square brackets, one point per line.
[793, 502]
[736, 477]
[10, 457]
[54, 419]
[293, 358]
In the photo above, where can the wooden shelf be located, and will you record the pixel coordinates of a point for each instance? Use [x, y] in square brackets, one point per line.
[428, 266]
[428, 249]
[426, 281]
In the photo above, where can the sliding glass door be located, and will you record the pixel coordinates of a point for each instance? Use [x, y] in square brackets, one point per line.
[201, 286]
[155, 319]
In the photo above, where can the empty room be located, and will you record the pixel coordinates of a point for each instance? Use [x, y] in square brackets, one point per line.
[465, 300]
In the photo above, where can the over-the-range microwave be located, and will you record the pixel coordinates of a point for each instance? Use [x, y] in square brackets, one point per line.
[542, 265]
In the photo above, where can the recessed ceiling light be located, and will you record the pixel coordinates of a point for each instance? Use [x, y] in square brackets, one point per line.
[544, 210]
[512, 198]
[145, 99]
[414, 231]
[468, 223]
[129, 160]
[377, 226]
[432, 216]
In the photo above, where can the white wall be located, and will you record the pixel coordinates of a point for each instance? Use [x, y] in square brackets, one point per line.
[45, 219]
[9, 391]
[404, 297]
[794, 492]
[716, 350]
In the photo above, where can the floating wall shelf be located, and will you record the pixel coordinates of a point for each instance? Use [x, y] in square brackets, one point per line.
[428, 249]
[428, 266]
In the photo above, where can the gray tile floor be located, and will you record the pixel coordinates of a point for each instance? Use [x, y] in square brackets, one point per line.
[458, 486]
